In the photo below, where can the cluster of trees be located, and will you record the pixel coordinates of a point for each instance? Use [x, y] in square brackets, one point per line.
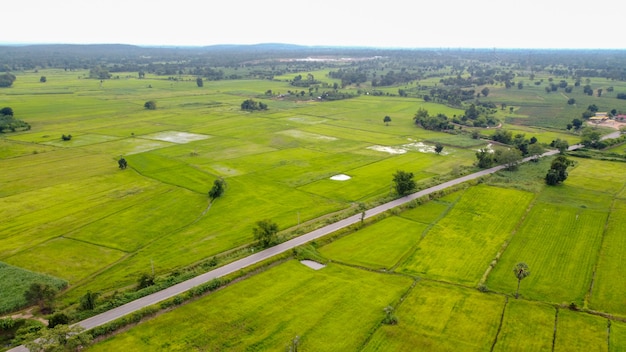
[478, 115]
[7, 79]
[9, 123]
[576, 124]
[349, 76]
[392, 78]
[252, 105]
[310, 80]
[450, 96]
[519, 141]
[510, 157]
[438, 122]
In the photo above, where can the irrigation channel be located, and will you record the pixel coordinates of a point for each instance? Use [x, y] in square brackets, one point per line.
[257, 257]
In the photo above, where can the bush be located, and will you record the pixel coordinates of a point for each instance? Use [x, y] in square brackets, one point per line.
[58, 319]
[150, 105]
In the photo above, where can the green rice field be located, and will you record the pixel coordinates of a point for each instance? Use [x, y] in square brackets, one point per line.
[71, 217]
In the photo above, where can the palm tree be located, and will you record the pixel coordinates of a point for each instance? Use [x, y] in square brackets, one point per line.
[521, 270]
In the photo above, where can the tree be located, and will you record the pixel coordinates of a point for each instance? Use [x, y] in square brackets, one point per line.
[122, 163]
[218, 188]
[386, 120]
[6, 80]
[510, 157]
[420, 115]
[88, 301]
[390, 317]
[558, 170]
[43, 79]
[66, 137]
[571, 101]
[577, 123]
[404, 183]
[58, 319]
[485, 158]
[521, 271]
[266, 232]
[150, 105]
[438, 148]
[145, 280]
[6, 111]
[60, 338]
[485, 91]
[251, 105]
[590, 137]
[561, 145]
[199, 82]
[40, 294]
[535, 150]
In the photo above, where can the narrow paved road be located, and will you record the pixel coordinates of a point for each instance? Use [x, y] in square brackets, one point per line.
[182, 287]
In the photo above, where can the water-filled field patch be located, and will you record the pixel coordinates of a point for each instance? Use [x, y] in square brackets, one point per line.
[176, 137]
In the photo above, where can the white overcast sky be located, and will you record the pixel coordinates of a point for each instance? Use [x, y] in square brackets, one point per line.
[387, 23]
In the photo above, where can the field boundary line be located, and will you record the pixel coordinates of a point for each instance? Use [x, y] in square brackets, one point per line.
[495, 340]
[589, 293]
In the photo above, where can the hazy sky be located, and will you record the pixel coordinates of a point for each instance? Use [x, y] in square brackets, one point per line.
[391, 23]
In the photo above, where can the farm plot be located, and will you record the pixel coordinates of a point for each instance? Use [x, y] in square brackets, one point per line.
[144, 220]
[560, 244]
[37, 216]
[436, 317]
[72, 260]
[370, 180]
[267, 311]
[617, 337]
[428, 213]
[228, 224]
[526, 326]
[599, 176]
[581, 332]
[15, 281]
[377, 246]
[61, 166]
[171, 171]
[607, 293]
[460, 246]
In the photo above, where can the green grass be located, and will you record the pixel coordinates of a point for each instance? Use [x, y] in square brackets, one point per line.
[607, 293]
[435, 317]
[553, 240]
[526, 326]
[15, 281]
[378, 246]
[332, 309]
[580, 332]
[427, 213]
[617, 338]
[65, 258]
[461, 245]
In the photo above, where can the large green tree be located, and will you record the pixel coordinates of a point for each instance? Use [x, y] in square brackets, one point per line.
[218, 188]
[558, 170]
[40, 294]
[266, 233]
[403, 182]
